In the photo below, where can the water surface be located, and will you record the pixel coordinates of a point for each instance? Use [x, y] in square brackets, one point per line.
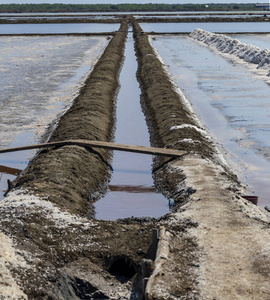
[131, 189]
[262, 41]
[57, 28]
[232, 101]
[40, 76]
[219, 27]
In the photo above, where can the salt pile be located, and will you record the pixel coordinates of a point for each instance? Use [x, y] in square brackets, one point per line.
[225, 44]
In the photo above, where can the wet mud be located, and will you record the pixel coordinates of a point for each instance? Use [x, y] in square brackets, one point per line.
[68, 175]
[60, 252]
[165, 110]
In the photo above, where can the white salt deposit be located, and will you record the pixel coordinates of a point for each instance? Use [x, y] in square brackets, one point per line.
[225, 44]
[8, 287]
[23, 199]
[182, 126]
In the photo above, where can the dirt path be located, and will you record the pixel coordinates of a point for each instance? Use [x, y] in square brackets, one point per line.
[232, 235]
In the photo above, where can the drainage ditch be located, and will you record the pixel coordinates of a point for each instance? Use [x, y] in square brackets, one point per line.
[131, 190]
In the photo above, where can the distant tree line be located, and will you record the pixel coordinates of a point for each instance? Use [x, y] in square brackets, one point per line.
[62, 8]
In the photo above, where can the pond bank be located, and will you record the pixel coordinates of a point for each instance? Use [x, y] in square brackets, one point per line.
[221, 223]
[68, 175]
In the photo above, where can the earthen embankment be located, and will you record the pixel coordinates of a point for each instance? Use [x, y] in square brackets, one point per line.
[171, 120]
[68, 175]
[226, 237]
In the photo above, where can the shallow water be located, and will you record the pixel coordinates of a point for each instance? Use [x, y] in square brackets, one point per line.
[232, 101]
[131, 189]
[219, 27]
[40, 76]
[57, 28]
[261, 41]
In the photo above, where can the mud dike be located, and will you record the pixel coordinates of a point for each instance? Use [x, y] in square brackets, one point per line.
[214, 245]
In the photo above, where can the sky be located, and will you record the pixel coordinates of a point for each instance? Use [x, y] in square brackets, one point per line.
[130, 1]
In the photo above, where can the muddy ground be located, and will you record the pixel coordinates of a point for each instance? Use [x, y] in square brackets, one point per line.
[53, 248]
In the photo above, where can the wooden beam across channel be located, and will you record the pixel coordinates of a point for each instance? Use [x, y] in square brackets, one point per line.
[99, 144]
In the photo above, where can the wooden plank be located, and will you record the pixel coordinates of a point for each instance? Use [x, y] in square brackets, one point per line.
[106, 145]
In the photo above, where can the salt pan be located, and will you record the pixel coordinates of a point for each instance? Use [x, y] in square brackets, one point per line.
[225, 44]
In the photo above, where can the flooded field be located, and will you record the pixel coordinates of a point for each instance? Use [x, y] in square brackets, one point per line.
[231, 98]
[40, 76]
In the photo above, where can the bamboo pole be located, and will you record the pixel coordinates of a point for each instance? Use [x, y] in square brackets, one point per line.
[99, 144]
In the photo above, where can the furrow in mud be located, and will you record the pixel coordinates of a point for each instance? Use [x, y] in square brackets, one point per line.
[68, 175]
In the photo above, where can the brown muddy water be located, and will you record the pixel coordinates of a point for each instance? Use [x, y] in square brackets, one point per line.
[40, 76]
[131, 188]
[232, 100]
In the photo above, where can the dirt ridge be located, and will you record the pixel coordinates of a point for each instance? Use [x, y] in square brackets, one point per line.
[68, 175]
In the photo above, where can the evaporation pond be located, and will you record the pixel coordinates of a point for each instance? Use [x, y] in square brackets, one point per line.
[233, 102]
[40, 76]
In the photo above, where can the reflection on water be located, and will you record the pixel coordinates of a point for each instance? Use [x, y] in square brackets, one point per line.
[131, 188]
[232, 101]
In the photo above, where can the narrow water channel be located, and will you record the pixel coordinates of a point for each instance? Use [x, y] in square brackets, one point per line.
[131, 189]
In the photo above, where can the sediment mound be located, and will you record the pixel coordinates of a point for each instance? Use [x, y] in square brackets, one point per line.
[225, 44]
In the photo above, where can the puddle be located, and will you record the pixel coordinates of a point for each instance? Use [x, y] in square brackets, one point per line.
[131, 189]
[231, 100]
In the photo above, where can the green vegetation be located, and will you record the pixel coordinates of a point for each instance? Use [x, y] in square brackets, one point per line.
[67, 8]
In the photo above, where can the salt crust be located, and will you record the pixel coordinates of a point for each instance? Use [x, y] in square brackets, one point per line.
[225, 44]
[182, 126]
[23, 199]
[8, 287]
[10, 256]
